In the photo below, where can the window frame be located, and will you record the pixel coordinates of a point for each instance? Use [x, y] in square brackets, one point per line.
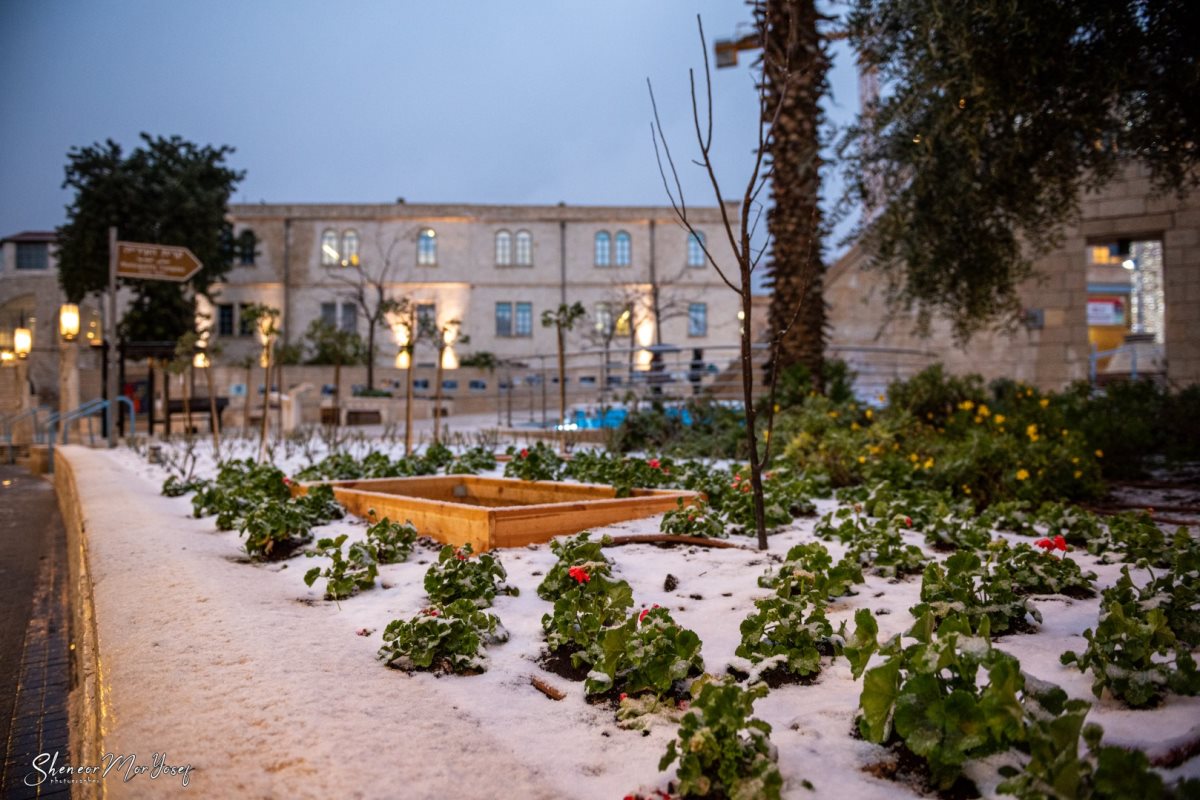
[622, 238]
[349, 245]
[697, 331]
[427, 247]
[503, 258]
[696, 244]
[32, 257]
[602, 259]
[330, 257]
[522, 331]
[523, 249]
[506, 331]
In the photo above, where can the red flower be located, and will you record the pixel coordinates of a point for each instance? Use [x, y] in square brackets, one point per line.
[654, 463]
[683, 705]
[429, 612]
[579, 574]
[460, 555]
[524, 452]
[908, 522]
[1060, 543]
[622, 697]
[1045, 544]
[646, 611]
[287, 481]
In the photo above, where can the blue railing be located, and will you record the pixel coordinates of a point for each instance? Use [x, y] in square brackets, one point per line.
[1095, 356]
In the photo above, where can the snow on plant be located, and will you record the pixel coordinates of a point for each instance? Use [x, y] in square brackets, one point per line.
[583, 612]
[789, 632]
[273, 522]
[877, 545]
[1134, 652]
[956, 532]
[809, 569]
[1139, 539]
[240, 485]
[574, 551]
[459, 575]
[928, 695]
[1080, 528]
[964, 585]
[785, 497]
[472, 461]
[648, 652]
[536, 463]
[1036, 570]
[624, 474]
[693, 519]
[442, 638]
[722, 750]
[346, 574]
[391, 541]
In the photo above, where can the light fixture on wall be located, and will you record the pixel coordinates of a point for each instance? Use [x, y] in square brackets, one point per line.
[22, 342]
[68, 322]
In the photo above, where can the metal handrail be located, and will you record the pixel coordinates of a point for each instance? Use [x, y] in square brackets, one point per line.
[88, 409]
[11, 420]
[1095, 356]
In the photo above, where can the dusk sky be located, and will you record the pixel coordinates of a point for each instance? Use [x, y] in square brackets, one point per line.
[367, 101]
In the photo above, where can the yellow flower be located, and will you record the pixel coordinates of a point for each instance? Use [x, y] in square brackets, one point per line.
[870, 413]
[978, 420]
[777, 408]
[1045, 401]
[929, 463]
[1029, 392]
[966, 405]
[912, 457]
[1022, 474]
[1066, 433]
[1078, 474]
[881, 398]
[854, 426]
[1075, 460]
[983, 411]
[1032, 433]
[1099, 454]
[966, 489]
[862, 459]
[998, 419]
[833, 415]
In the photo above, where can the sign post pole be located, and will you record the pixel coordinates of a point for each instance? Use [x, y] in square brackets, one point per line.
[110, 338]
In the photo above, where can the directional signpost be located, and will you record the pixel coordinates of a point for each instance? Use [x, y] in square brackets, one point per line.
[137, 261]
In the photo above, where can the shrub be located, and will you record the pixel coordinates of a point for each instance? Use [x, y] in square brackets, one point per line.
[391, 541]
[456, 575]
[648, 652]
[695, 519]
[792, 632]
[583, 612]
[574, 552]
[536, 463]
[347, 574]
[448, 638]
[808, 569]
[964, 586]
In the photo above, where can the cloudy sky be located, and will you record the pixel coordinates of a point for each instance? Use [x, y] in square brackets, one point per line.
[370, 100]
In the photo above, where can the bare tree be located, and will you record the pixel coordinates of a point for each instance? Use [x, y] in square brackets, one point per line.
[563, 319]
[448, 334]
[369, 287]
[739, 232]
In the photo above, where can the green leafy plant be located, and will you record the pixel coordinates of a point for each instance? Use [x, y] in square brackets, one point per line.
[693, 519]
[928, 695]
[448, 638]
[460, 575]
[391, 541]
[472, 461]
[536, 463]
[583, 612]
[347, 574]
[648, 652]
[809, 569]
[1133, 652]
[722, 750]
[577, 551]
[790, 633]
[1036, 570]
[965, 586]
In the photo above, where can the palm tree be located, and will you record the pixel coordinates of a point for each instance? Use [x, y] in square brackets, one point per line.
[794, 56]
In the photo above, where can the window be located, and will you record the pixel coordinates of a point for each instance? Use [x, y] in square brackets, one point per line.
[603, 249]
[349, 318]
[504, 319]
[524, 325]
[607, 325]
[349, 248]
[225, 319]
[624, 249]
[245, 247]
[697, 319]
[695, 249]
[329, 251]
[503, 249]
[477, 386]
[427, 247]
[32, 255]
[329, 314]
[524, 249]
[427, 316]
[450, 385]
[421, 383]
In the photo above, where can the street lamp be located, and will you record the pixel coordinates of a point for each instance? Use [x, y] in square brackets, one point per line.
[68, 322]
[22, 342]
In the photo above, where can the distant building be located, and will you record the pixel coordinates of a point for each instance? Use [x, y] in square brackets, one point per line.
[1127, 276]
[29, 298]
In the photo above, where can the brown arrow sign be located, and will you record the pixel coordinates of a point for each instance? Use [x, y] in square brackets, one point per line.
[155, 262]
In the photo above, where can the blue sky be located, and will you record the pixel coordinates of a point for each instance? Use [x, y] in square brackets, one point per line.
[365, 100]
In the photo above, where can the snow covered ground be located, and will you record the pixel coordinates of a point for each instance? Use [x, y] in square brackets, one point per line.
[268, 690]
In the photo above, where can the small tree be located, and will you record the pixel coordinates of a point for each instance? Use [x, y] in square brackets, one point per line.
[332, 345]
[447, 335]
[563, 320]
[266, 320]
[413, 329]
[181, 365]
[369, 288]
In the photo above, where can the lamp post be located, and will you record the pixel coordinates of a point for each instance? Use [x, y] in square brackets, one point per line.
[68, 358]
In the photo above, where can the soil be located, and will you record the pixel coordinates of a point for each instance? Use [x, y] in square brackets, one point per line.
[907, 768]
[558, 662]
[777, 676]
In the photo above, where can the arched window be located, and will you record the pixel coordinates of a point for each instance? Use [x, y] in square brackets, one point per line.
[624, 249]
[329, 248]
[349, 247]
[503, 248]
[524, 249]
[427, 247]
[695, 249]
[245, 247]
[603, 249]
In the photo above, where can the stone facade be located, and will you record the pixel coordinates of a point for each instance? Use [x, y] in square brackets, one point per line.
[1053, 348]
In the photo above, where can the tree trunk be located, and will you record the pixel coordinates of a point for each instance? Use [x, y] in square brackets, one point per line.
[562, 389]
[760, 517]
[371, 355]
[214, 419]
[337, 394]
[249, 399]
[266, 408]
[437, 398]
[794, 220]
[187, 404]
[408, 401]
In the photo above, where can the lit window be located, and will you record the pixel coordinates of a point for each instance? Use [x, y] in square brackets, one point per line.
[695, 247]
[32, 255]
[697, 319]
[524, 249]
[624, 249]
[604, 320]
[504, 319]
[329, 251]
[524, 326]
[503, 249]
[349, 248]
[603, 249]
[427, 247]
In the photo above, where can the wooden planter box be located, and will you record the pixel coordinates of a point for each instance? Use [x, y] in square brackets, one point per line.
[497, 512]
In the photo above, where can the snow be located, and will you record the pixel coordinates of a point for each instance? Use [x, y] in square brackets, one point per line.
[268, 690]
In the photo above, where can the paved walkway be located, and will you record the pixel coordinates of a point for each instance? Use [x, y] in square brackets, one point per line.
[34, 636]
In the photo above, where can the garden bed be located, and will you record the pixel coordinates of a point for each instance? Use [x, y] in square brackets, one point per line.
[497, 512]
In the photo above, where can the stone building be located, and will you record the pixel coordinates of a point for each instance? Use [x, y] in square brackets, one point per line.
[1126, 278]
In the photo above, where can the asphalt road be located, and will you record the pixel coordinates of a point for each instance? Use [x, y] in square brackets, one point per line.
[34, 661]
